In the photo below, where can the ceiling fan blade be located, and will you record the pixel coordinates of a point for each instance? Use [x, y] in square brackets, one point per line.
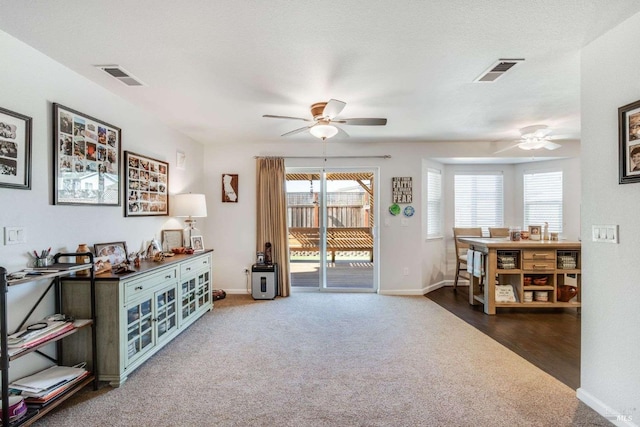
[362, 122]
[333, 108]
[552, 145]
[270, 116]
[341, 133]
[507, 148]
[299, 130]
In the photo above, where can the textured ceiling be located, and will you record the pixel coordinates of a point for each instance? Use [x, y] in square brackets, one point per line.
[213, 68]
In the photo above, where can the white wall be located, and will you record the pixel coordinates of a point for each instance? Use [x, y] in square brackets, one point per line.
[232, 229]
[29, 83]
[610, 372]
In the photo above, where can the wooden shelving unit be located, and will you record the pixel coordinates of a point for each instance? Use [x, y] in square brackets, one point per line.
[554, 260]
[35, 412]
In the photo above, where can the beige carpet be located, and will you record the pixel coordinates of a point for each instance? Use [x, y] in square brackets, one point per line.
[322, 359]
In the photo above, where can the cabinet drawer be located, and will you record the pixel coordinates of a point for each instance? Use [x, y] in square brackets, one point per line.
[531, 265]
[539, 255]
[195, 265]
[137, 287]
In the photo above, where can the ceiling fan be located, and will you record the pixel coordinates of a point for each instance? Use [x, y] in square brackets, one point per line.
[324, 119]
[534, 138]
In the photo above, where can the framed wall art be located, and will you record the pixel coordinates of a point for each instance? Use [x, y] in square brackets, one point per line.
[15, 150]
[147, 183]
[86, 159]
[230, 188]
[629, 143]
[115, 251]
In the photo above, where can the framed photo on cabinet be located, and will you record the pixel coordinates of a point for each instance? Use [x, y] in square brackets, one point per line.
[147, 183]
[86, 159]
[115, 251]
[629, 143]
[535, 232]
[15, 150]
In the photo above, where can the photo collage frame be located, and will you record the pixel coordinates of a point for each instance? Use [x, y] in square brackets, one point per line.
[87, 159]
[147, 183]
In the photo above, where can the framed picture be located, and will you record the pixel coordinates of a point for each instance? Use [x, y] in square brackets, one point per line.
[172, 239]
[86, 159]
[115, 251]
[15, 150]
[535, 232]
[230, 188]
[197, 244]
[147, 186]
[629, 142]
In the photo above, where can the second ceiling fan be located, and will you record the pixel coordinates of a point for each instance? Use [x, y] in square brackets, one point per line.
[324, 119]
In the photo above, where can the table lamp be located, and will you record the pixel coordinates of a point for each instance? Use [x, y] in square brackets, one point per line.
[191, 206]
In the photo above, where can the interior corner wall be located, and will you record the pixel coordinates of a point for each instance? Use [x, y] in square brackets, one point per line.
[610, 372]
[29, 83]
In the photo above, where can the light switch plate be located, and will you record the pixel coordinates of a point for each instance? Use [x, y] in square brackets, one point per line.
[604, 233]
[14, 235]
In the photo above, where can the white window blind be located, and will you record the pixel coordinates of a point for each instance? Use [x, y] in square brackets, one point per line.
[543, 199]
[479, 200]
[434, 203]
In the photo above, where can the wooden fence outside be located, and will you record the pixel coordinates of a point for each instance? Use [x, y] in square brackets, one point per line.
[343, 210]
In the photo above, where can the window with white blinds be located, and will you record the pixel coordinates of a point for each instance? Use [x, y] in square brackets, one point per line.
[543, 199]
[479, 200]
[434, 203]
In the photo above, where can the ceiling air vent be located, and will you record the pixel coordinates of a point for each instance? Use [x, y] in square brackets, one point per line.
[121, 74]
[497, 70]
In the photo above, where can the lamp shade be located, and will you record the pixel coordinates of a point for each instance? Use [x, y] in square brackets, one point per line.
[189, 205]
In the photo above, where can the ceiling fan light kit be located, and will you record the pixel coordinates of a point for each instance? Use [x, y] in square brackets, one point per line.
[324, 116]
[323, 131]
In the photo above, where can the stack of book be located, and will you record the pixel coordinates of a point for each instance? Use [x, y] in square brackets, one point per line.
[44, 386]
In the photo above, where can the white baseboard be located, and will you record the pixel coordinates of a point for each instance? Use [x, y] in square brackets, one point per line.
[615, 417]
[237, 291]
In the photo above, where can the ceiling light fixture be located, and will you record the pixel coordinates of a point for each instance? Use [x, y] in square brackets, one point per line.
[323, 130]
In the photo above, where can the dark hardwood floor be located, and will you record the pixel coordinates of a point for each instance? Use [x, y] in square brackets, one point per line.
[549, 339]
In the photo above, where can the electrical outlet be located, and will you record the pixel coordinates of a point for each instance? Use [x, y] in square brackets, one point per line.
[405, 271]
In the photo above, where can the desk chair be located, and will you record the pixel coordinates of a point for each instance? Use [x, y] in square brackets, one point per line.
[498, 232]
[461, 250]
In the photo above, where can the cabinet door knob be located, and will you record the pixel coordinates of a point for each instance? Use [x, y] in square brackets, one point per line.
[168, 276]
[188, 268]
[138, 288]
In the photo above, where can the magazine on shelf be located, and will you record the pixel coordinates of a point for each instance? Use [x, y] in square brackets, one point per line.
[44, 397]
[48, 379]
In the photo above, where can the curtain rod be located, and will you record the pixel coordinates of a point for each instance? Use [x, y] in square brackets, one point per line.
[384, 156]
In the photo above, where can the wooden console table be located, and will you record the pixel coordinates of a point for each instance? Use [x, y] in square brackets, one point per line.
[557, 263]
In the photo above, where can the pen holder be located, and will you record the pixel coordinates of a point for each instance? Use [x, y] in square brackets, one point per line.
[43, 262]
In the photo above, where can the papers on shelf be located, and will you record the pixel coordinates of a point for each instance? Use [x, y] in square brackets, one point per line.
[47, 380]
[18, 345]
[26, 338]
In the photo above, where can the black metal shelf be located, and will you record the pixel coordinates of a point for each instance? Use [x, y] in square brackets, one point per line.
[65, 269]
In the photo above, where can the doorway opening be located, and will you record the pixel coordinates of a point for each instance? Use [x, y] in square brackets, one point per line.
[332, 229]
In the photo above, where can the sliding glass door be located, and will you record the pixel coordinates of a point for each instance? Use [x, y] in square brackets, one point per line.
[332, 229]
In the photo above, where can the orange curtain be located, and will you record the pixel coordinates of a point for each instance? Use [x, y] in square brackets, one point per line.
[272, 216]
